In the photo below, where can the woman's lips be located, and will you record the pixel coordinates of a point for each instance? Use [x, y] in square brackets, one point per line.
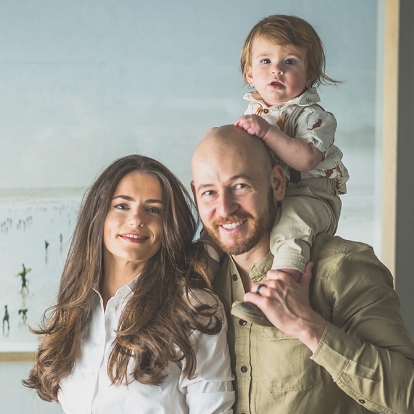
[134, 238]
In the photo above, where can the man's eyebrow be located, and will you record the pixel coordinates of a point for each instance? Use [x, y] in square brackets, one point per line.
[129, 198]
[233, 178]
[201, 186]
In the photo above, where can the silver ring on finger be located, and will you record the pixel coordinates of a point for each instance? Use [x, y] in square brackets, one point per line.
[259, 286]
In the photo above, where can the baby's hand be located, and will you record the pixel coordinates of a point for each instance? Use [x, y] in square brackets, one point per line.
[253, 124]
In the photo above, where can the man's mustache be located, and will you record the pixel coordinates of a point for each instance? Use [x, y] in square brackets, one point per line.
[231, 219]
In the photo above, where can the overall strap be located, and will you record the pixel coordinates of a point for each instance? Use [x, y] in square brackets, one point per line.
[290, 131]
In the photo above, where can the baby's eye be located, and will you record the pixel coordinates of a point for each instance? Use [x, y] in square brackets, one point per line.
[265, 61]
[290, 61]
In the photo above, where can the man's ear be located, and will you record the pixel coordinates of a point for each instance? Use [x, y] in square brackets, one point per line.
[193, 190]
[278, 182]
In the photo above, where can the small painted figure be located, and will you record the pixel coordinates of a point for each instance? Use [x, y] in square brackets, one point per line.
[6, 318]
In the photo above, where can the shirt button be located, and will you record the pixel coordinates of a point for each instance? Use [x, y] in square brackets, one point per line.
[242, 322]
[234, 277]
[243, 369]
[266, 111]
[112, 308]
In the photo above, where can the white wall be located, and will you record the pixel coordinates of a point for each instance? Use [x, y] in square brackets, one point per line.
[14, 398]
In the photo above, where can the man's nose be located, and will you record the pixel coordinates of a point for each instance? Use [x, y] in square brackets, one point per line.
[227, 205]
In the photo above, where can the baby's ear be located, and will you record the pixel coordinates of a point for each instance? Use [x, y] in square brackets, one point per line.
[249, 77]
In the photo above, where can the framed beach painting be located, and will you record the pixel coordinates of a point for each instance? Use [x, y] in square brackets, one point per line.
[35, 228]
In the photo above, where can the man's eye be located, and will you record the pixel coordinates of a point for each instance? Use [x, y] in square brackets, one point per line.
[208, 193]
[239, 186]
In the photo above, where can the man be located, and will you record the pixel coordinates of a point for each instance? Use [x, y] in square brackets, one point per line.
[339, 344]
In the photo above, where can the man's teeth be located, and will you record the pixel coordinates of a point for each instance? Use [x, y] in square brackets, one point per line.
[230, 226]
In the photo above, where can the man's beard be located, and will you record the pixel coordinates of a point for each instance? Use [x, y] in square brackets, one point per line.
[261, 225]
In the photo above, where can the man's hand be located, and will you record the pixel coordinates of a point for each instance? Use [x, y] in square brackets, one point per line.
[286, 304]
[253, 125]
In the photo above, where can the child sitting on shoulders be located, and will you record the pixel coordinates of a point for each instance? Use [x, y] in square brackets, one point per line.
[283, 59]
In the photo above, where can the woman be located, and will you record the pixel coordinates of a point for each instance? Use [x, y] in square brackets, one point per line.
[136, 328]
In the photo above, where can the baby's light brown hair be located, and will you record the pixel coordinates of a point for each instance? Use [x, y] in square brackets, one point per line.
[285, 30]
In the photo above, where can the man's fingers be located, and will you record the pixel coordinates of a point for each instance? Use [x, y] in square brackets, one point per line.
[306, 276]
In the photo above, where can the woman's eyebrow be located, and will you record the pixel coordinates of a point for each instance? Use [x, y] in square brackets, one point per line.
[124, 197]
[129, 198]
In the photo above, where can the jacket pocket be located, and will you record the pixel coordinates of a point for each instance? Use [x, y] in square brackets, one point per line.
[285, 363]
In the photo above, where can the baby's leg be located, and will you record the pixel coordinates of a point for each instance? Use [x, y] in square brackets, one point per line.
[300, 218]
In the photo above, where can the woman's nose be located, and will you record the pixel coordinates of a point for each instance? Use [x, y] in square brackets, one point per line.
[136, 219]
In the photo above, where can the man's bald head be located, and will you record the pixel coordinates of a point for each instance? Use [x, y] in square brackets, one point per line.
[232, 141]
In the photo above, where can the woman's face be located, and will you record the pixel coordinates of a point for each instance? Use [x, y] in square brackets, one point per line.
[133, 225]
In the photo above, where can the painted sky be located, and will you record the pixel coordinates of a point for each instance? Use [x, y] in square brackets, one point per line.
[85, 82]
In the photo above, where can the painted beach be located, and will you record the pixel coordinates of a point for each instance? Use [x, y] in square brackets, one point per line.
[35, 229]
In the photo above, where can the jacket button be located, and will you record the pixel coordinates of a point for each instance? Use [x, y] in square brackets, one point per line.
[242, 322]
[234, 277]
[362, 401]
[243, 369]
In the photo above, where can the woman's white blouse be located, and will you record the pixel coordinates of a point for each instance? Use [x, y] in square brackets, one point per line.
[88, 389]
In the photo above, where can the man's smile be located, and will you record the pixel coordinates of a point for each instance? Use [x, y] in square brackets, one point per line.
[233, 225]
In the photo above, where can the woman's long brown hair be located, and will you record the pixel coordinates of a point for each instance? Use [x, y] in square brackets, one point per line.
[156, 322]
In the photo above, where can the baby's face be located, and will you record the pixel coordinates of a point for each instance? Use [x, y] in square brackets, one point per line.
[277, 72]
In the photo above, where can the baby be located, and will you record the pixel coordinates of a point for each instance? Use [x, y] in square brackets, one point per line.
[283, 59]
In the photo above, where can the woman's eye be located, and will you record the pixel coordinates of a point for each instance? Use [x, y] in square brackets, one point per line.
[120, 206]
[154, 210]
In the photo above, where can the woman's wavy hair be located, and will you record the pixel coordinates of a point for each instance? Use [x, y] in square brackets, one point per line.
[156, 323]
[285, 30]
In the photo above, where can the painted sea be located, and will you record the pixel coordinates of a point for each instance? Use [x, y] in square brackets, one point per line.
[36, 225]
